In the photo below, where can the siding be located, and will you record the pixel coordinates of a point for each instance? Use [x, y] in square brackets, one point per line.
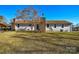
[48, 29]
[24, 27]
[59, 28]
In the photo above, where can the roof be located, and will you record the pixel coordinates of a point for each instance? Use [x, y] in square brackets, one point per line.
[58, 22]
[23, 21]
[47, 22]
[2, 24]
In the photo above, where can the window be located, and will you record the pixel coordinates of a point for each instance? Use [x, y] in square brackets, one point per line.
[62, 25]
[54, 25]
[47, 25]
[18, 25]
[29, 24]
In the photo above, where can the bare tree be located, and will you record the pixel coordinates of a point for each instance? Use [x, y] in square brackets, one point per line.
[1, 18]
[27, 13]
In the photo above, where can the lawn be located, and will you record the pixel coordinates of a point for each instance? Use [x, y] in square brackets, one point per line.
[30, 42]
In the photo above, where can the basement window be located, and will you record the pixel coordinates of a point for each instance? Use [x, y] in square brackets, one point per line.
[61, 30]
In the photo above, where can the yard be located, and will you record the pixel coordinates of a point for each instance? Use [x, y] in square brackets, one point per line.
[30, 42]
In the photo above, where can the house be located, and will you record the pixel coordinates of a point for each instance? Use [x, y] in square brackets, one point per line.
[42, 25]
[29, 25]
[59, 26]
[2, 25]
[75, 28]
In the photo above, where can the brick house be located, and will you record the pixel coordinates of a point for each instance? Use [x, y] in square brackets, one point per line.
[42, 25]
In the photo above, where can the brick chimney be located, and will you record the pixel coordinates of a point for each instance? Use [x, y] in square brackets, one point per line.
[13, 25]
[42, 24]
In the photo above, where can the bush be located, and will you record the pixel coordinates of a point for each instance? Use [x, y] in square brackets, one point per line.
[4, 28]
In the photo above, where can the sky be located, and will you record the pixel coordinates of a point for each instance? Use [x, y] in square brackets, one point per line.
[51, 12]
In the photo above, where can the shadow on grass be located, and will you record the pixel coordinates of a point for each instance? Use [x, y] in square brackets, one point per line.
[6, 48]
[46, 41]
[70, 35]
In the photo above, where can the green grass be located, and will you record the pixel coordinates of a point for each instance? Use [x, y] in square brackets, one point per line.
[30, 42]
